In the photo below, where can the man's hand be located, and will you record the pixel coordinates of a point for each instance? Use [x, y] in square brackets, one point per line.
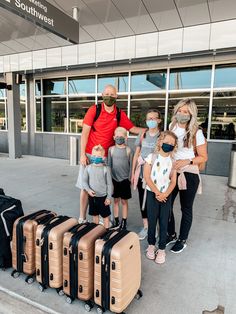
[83, 160]
[107, 201]
[91, 193]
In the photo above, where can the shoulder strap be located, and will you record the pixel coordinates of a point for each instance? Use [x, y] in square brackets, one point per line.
[143, 136]
[154, 157]
[128, 151]
[118, 115]
[112, 150]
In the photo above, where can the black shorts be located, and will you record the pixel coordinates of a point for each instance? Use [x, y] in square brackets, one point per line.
[97, 206]
[122, 189]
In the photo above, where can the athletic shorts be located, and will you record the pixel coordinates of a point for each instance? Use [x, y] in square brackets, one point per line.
[122, 189]
[98, 207]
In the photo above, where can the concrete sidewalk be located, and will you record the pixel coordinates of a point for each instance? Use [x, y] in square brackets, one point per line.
[198, 279]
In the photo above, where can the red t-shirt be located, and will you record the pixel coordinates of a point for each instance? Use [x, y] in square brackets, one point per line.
[103, 128]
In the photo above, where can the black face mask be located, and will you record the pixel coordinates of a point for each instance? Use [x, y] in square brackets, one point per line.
[120, 140]
[109, 100]
[167, 148]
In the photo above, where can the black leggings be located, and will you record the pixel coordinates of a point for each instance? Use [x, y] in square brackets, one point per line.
[141, 194]
[186, 202]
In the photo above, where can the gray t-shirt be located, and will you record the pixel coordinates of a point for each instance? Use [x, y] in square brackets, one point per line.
[98, 179]
[148, 143]
[120, 162]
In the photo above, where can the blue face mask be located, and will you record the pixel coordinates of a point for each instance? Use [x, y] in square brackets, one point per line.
[96, 160]
[120, 140]
[151, 124]
[167, 148]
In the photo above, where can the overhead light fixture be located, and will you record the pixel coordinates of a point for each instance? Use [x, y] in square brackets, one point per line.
[75, 13]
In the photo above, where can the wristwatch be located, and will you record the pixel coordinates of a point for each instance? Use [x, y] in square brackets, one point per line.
[191, 162]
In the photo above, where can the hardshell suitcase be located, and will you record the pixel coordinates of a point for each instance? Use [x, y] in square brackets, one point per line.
[49, 251]
[10, 210]
[117, 271]
[78, 261]
[23, 242]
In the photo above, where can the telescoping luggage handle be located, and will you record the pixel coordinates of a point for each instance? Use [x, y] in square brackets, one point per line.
[105, 267]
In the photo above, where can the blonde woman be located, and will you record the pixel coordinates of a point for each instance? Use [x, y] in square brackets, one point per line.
[190, 155]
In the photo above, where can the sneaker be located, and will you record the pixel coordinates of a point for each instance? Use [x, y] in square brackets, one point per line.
[171, 239]
[115, 224]
[150, 254]
[179, 246]
[82, 220]
[160, 257]
[123, 224]
[143, 233]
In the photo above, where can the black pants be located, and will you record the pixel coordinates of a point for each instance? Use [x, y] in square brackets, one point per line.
[141, 194]
[157, 210]
[186, 202]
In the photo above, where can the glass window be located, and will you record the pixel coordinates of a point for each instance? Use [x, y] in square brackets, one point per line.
[223, 120]
[23, 106]
[122, 102]
[201, 99]
[120, 81]
[77, 110]
[2, 93]
[140, 104]
[38, 88]
[82, 85]
[3, 122]
[54, 86]
[225, 76]
[190, 78]
[148, 81]
[38, 115]
[54, 114]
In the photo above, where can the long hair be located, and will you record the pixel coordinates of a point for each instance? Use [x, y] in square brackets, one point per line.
[192, 125]
[162, 136]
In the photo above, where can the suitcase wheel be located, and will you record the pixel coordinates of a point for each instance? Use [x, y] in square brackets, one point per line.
[60, 292]
[29, 280]
[41, 288]
[99, 310]
[69, 300]
[139, 295]
[88, 306]
[15, 274]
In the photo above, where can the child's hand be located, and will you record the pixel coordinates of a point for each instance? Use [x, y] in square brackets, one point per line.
[162, 197]
[107, 201]
[91, 193]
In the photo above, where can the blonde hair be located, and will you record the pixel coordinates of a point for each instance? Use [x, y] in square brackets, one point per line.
[98, 148]
[192, 125]
[162, 136]
[120, 129]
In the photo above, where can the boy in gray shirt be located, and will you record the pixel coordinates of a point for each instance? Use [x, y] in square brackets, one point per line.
[97, 182]
[120, 160]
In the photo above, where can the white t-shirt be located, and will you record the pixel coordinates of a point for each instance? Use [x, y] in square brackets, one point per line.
[185, 152]
[160, 173]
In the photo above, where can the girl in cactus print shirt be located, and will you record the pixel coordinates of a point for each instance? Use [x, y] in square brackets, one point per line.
[161, 180]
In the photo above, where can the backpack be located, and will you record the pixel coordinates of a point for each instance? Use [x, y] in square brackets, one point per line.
[98, 111]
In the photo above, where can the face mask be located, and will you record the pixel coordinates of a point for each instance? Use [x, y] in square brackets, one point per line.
[96, 160]
[151, 124]
[167, 148]
[109, 100]
[182, 118]
[120, 140]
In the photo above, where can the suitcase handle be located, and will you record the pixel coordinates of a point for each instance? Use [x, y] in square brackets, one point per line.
[108, 234]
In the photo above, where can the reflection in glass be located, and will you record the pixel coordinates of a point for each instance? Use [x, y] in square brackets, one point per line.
[38, 115]
[201, 99]
[54, 86]
[121, 102]
[140, 104]
[3, 125]
[54, 114]
[82, 85]
[223, 121]
[77, 110]
[225, 76]
[190, 78]
[23, 106]
[38, 88]
[148, 81]
[120, 81]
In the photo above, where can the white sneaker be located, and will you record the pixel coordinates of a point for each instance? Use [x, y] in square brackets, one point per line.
[143, 233]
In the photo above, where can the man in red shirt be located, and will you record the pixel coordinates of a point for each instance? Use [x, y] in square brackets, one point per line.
[100, 132]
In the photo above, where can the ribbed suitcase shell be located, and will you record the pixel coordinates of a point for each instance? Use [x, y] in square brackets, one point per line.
[29, 233]
[125, 272]
[85, 268]
[54, 255]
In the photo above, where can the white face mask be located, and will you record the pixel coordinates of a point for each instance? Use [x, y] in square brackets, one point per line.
[182, 118]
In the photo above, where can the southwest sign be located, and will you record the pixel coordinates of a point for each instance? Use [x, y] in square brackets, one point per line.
[46, 16]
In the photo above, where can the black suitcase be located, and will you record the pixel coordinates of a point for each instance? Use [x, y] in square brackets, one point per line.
[10, 210]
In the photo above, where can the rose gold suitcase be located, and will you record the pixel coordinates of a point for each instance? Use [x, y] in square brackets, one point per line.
[78, 262]
[23, 242]
[117, 271]
[49, 251]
